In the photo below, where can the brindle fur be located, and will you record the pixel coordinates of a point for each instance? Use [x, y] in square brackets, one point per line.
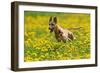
[60, 33]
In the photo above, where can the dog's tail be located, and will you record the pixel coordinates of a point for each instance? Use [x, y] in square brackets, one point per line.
[78, 28]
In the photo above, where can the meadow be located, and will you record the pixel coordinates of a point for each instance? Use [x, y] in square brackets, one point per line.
[41, 45]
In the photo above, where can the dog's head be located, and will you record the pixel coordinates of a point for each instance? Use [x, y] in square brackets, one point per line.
[52, 23]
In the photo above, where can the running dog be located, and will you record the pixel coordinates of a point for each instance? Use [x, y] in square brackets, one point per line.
[60, 33]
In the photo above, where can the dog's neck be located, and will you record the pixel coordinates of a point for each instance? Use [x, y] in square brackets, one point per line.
[56, 29]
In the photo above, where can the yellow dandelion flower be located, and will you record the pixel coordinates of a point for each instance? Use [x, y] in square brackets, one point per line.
[28, 59]
[26, 34]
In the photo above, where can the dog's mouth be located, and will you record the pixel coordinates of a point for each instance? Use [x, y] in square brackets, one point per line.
[51, 30]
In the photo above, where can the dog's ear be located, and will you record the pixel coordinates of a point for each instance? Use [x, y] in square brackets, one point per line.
[55, 19]
[50, 19]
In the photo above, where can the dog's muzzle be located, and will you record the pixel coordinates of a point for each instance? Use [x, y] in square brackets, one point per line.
[51, 30]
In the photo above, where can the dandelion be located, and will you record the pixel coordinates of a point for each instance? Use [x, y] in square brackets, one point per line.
[28, 59]
[26, 34]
